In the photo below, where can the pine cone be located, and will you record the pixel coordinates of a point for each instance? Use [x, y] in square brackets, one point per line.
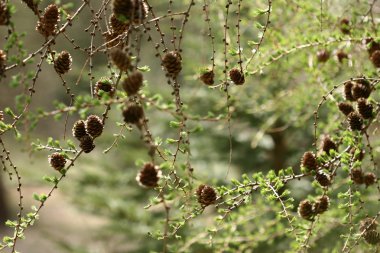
[355, 121]
[87, 144]
[118, 27]
[305, 210]
[5, 15]
[207, 77]
[120, 59]
[172, 63]
[372, 46]
[357, 176]
[368, 224]
[369, 179]
[149, 175]
[345, 108]
[94, 126]
[236, 76]
[375, 58]
[345, 26]
[323, 179]
[48, 23]
[79, 129]
[361, 89]
[327, 145]
[63, 63]
[365, 109]
[308, 161]
[133, 83]
[323, 56]
[32, 5]
[104, 84]
[3, 62]
[348, 91]
[133, 114]
[206, 195]
[57, 161]
[341, 56]
[123, 9]
[321, 205]
[111, 40]
[372, 237]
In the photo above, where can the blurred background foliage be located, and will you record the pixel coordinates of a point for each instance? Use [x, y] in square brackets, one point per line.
[271, 125]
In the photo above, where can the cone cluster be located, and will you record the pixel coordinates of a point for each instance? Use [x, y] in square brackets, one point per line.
[206, 195]
[149, 175]
[133, 114]
[121, 59]
[57, 161]
[207, 77]
[63, 63]
[172, 63]
[359, 177]
[368, 227]
[87, 131]
[236, 76]
[47, 24]
[308, 210]
[133, 83]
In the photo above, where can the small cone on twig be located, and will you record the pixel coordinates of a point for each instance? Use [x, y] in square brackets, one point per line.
[87, 144]
[172, 63]
[305, 210]
[133, 114]
[120, 59]
[57, 161]
[206, 195]
[237, 77]
[133, 83]
[309, 161]
[346, 108]
[63, 63]
[47, 25]
[149, 175]
[79, 129]
[207, 77]
[94, 126]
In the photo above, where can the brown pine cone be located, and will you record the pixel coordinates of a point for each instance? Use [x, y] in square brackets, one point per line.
[321, 205]
[94, 126]
[309, 161]
[369, 179]
[372, 237]
[5, 15]
[120, 59]
[111, 40]
[365, 109]
[327, 145]
[3, 62]
[79, 129]
[357, 176]
[323, 179]
[149, 175]
[133, 83]
[237, 77]
[323, 55]
[345, 26]
[33, 5]
[361, 89]
[104, 84]
[305, 210]
[133, 114]
[368, 224]
[172, 63]
[372, 46]
[118, 27]
[345, 108]
[341, 56]
[348, 91]
[375, 58]
[47, 25]
[207, 77]
[87, 144]
[355, 121]
[206, 195]
[57, 161]
[63, 63]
